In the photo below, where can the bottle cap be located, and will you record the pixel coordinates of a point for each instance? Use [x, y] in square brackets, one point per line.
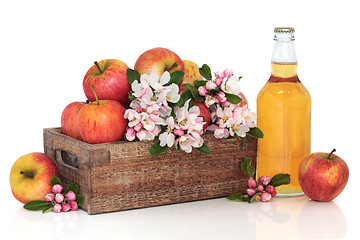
[284, 34]
[284, 30]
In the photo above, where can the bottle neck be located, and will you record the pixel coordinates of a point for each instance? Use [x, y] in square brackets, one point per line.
[283, 61]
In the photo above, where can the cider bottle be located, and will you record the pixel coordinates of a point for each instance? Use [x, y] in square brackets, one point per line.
[283, 115]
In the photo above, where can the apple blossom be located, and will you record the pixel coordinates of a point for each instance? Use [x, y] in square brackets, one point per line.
[167, 138]
[59, 198]
[130, 134]
[57, 208]
[74, 205]
[71, 196]
[202, 91]
[270, 189]
[157, 82]
[231, 85]
[57, 188]
[251, 183]
[66, 207]
[260, 188]
[49, 197]
[210, 85]
[265, 197]
[250, 191]
[265, 180]
[179, 132]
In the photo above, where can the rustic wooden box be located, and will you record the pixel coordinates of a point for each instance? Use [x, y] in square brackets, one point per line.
[123, 175]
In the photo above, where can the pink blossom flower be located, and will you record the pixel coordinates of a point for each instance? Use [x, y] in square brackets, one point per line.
[49, 197]
[66, 207]
[221, 133]
[59, 198]
[202, 91]
[179, 132]
[218, 81]
[130, 134]
[265, 197]
[209, 100]
[71, 196]
[57, 188]
[265, 180]
[210, 85]
[250, 191]
[57, 208]
[74, 205]
[260, 188]
[270, 189]
[251, 183]
[221, 97]
[167, 138]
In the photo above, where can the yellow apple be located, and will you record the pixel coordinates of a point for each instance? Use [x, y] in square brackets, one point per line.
[30, 177]
[192, 73]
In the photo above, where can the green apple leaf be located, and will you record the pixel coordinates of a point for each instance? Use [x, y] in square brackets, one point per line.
[175, 77]
[232, 98]
[238, 197]
[36, 205]
[204, 149]
[199, 83]
[72, 187]
[256, 132]
[205, 71]
[80, 199]
[156, 149]
[55, 180]
[47, 209]
[247, 168]
[194, 92]
[132, 75]
[131, 97]
[280, 179]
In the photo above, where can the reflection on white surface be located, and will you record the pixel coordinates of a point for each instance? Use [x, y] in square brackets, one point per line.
[288, 218]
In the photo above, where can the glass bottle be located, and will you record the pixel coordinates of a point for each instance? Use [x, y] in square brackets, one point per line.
[284, 116]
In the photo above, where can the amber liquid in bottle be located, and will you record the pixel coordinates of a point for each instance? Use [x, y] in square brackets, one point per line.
[284, 114]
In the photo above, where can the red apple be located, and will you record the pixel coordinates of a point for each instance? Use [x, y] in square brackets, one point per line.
[69, 119]
[102, 121]
[244, 100]
[109, 78]
[30, 177]
[192, 73]
[160, 60]
[204, 112]
[323, 176]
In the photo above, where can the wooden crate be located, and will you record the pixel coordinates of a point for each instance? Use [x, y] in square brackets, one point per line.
[123, 175]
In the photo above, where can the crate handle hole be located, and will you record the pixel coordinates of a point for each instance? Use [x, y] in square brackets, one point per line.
[67, 159]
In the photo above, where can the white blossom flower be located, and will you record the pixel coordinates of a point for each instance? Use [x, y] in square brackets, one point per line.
[231, 85]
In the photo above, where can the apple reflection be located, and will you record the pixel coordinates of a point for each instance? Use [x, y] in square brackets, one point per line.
[322, 220]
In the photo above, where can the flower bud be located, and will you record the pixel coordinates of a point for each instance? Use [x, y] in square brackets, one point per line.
[210, 85]
[270, 189]
[202, 91]
[71, 196]
[59, 198]
[273, 194]
[265, 180]
[57, 188]
[251, 183]
[218, 81]
[260, 188]
[265, 197]
[57, 208]
[250, 191]
[66, 207]
[179, 132]
[49, 197]
[74, 205]
[221, 97]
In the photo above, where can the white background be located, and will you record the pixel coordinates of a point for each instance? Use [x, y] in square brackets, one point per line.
[46, 47]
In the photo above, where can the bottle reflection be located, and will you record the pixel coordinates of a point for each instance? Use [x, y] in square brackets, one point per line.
[322, 220]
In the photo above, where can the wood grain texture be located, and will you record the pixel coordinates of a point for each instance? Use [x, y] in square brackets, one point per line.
[123, 175]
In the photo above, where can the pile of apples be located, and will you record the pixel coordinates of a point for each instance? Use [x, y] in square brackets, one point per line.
[106, 87]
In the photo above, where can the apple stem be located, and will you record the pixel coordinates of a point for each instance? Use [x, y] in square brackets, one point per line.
[331, 153]
[96, 97]
[27, 174]
[173, 66]
[98, 67]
